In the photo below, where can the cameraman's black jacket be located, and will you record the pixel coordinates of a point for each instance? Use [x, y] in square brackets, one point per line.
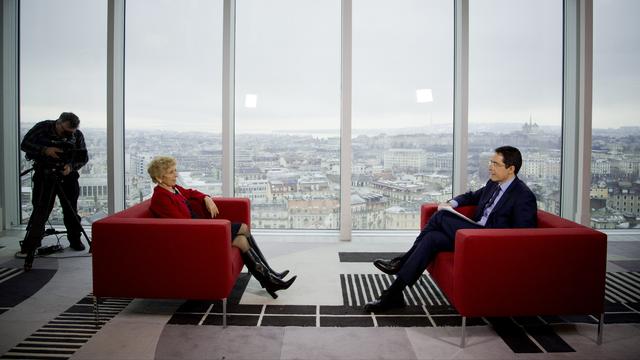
[43, 134]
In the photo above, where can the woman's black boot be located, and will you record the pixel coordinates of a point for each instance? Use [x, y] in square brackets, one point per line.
[267, 280]
[254, 246]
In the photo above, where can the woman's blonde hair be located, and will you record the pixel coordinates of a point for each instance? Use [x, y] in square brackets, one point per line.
[159, 166]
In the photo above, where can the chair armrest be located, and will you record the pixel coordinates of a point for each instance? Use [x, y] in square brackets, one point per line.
[541, 270]
[426, 212]
[236, 210]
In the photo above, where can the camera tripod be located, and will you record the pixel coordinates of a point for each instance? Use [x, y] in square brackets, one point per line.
[42, 211]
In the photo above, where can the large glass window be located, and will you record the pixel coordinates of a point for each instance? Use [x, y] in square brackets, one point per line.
[287, 143]
[173, 76]
[402, 110]
[615, 159]
[63, 68]
[515, 90]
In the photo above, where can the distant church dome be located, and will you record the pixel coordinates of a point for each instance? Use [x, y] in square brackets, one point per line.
[530, 127]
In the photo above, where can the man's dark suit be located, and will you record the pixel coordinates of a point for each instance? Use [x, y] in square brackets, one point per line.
[517, 208]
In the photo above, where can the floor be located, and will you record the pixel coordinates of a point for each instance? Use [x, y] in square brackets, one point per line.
[317, 318]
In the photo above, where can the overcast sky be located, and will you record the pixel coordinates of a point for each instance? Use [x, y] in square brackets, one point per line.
[288, 55]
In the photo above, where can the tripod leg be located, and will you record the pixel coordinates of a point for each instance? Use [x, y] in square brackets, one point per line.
[28, 261]
[72, 220]
[31, 240]
[44, 196]
[33, 237]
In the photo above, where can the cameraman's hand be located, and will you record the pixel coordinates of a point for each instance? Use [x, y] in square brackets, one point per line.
[211, 206]
[53, 152]
[67, 170]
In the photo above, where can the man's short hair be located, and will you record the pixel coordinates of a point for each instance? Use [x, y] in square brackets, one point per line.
[71, 118]
[511, 157]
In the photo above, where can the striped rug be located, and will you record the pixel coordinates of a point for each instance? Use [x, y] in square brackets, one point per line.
[8, 273]
[5, 275]
[358, 289]
[68, 332]
[16, 285]
[623, 287]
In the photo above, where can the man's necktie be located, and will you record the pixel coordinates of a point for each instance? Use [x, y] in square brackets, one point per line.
[493, 197]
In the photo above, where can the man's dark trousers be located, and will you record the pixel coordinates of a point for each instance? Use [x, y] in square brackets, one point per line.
[437, 236]
[44, 193]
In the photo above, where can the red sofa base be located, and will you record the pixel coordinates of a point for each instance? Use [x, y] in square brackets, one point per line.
[138, 256]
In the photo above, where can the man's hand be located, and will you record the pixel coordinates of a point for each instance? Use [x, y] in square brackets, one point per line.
[443, 205]
[67, 170]
[211, 207]
[53, 152]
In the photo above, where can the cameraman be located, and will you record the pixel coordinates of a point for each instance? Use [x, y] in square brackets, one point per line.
[58, 150]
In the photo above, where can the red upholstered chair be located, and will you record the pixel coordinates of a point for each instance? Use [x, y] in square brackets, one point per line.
[136, 255]
[558, 268]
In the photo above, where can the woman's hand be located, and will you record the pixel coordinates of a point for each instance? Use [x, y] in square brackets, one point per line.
[211, 207]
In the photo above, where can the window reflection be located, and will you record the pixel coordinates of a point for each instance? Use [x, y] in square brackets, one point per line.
[515, 91]
[402, 111]
[287, 155]
[615, 156]
[63, 69]
[173, 94]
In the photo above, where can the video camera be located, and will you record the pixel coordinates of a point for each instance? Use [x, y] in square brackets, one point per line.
[67, 146]
[53, 165]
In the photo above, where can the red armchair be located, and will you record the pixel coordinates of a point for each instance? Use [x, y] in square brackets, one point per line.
[556, 269]
[139, 256]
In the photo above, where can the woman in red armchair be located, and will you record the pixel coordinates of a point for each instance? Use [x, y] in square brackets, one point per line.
[170, 200]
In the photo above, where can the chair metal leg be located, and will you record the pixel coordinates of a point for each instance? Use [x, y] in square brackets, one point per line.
[463, 337]
[600, 328]
[96, 312]
[224, 312]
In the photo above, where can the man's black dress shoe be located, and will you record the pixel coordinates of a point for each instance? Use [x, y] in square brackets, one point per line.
[386, 302]
[390, 267]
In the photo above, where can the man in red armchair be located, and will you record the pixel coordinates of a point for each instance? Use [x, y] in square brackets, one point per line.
[504, 202]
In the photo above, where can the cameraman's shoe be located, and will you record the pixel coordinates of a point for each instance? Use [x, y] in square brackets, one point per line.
[76, 245]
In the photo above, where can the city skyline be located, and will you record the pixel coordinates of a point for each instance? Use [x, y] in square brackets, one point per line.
[502, 126]
[293, 180]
